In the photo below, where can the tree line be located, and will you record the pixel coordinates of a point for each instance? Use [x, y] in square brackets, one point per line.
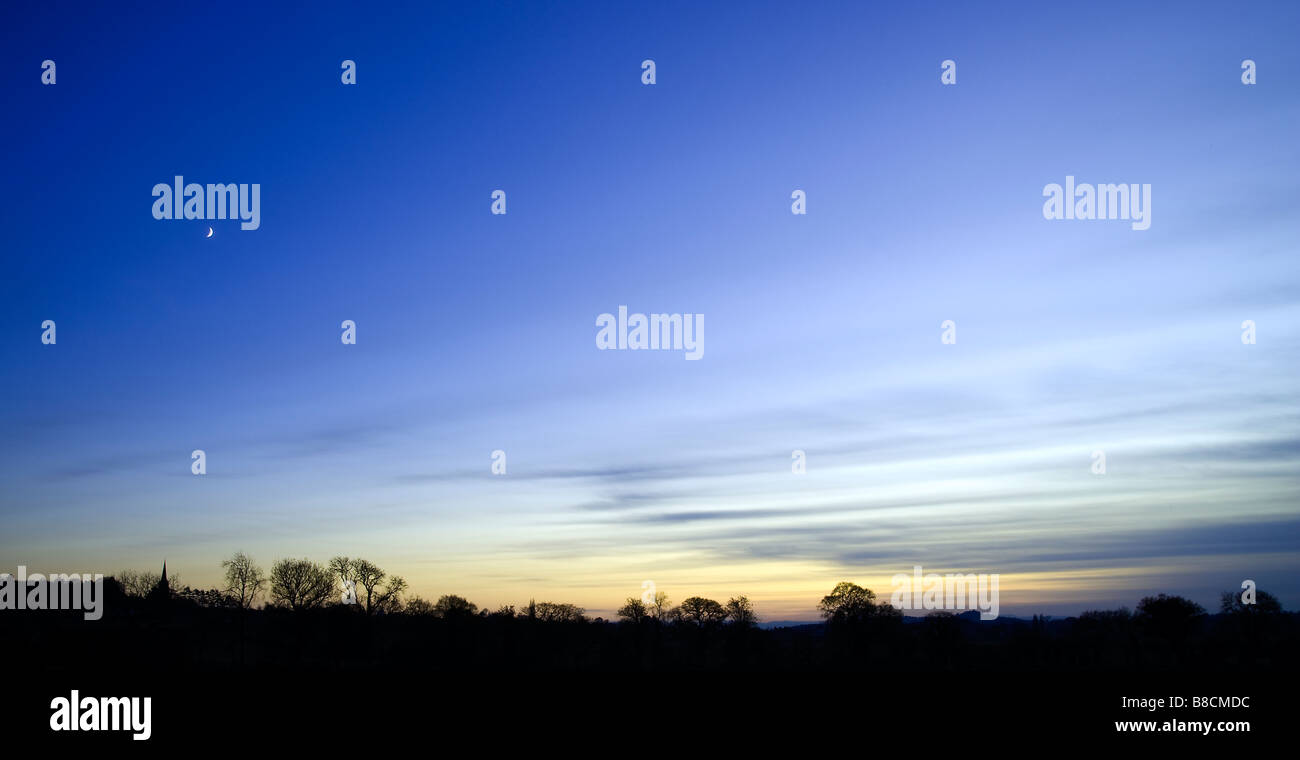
[301, 584]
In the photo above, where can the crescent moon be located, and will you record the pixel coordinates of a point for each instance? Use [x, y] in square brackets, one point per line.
[209, 233]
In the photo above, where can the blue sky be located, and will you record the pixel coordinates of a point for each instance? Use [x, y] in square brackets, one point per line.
[476, 332]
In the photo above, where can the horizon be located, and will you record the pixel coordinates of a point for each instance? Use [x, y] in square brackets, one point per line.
[478, 333]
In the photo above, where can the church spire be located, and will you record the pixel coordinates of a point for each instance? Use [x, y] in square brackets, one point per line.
[163, 591]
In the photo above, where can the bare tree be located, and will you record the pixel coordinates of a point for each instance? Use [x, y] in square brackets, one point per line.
[301, 584]
[344, 568]
[369, 576]
[558, 612]
[244, 579]
[131, 582]
[633, 610]
[740, 612]
[378, 598]
[390, 598]
[660, 610]
[418, 606]
[141, 582]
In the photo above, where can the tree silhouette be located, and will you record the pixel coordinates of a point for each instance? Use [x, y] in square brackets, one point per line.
[848, 603]
[244, 579]
[139, 583]
[208, 598]
[389, 598]
[633, 610]
[1230, 603]
[345, 569]
[370, 576]
[862, 634]
[552, 612]
[700, 611]
[659, 609]
[740, 612]
[451, 606]
[301, 584]
[1170, 617]
[418, 606]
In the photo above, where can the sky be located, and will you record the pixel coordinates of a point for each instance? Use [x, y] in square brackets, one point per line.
[476, 332]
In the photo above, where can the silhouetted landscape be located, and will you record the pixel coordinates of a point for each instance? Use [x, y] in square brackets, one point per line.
[150, 626]
[990, 443]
